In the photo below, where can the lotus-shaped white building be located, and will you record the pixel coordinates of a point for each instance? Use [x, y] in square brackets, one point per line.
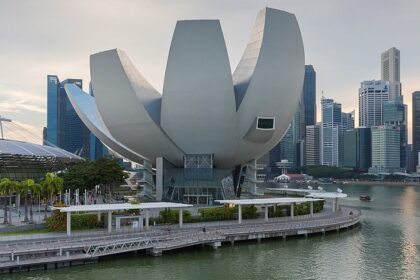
[208, 126]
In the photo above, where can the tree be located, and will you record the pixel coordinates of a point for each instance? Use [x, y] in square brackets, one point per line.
[35, 190]
[24, 190]
[5, 185]
[88, 174]
[50, 186]
[14, 186]
[8, 187]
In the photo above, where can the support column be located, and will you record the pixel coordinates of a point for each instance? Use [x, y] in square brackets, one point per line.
[333, 205]
[239, 214]
[312, 209]
[180, 218]
[147, 218]
[266, 213]
[109, 221]
[99, 216]
[336, 204]
[292, 211]
[68, 226]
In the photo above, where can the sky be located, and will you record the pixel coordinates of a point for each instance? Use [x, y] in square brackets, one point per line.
[343, 40]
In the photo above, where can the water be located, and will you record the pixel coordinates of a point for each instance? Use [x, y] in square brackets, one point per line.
[386, 246]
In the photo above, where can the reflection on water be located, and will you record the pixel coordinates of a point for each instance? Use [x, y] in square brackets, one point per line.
[386, 246]
[410, 256]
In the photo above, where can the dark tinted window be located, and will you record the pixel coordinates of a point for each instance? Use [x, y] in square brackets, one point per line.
[265, 123]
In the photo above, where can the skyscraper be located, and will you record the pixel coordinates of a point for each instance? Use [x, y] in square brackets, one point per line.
[347, 120]
[390, 71]
[385, 149]
[416, 124]
[97, 148]
[330, 132]
[309, 95]
[372, 95]
[395, 114]
[64, 127]
[313, 144]
[357, 148]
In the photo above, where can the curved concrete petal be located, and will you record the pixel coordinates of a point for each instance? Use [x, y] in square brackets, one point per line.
[268, 80]
[130, 106]
[86, 109]
[198, 102]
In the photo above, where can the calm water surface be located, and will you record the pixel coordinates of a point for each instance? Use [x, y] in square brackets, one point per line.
[386, 246]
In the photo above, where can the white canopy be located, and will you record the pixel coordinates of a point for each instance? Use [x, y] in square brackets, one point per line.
[294, 190]
[120, 206]
[267, 201]
[327, 195]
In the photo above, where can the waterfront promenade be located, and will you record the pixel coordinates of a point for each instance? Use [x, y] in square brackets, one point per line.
[47, 252]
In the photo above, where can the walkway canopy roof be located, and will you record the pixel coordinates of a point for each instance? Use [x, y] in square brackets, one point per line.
[327, 195]
[121, 206]
[294, 190]
[268, 201]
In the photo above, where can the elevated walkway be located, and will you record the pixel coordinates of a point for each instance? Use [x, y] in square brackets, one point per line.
[28, 255]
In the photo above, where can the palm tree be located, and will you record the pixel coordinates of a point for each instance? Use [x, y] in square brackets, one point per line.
[4, 186]
[14, 186]
[23, 190]
[35, 191]
[51, 185]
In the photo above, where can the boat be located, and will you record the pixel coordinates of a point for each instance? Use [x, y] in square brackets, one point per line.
[365, 198]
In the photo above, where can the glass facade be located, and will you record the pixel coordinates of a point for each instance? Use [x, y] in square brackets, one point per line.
[385, 149]
[395, 113]
[52, 110]
[416, 125]
[357, 148]
[331, 133]
[309, 95]
[64, 127]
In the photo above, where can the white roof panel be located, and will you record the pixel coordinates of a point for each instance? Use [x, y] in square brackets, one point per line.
[266, 201]
[120, 206]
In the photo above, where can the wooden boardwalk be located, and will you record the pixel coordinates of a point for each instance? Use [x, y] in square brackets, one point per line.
[26, 255]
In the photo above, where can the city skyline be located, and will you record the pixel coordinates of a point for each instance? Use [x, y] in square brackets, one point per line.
[35, 33]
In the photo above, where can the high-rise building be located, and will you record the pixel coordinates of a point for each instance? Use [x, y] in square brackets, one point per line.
[313, 144]
[372, 95]
[331, 132]
[347, 120]
[64, 127]
[416, 124]
[309, 95]
[411, 166]
[97, 148]
[357, 148]
[390, 71]
[385, 149]
[395, 114]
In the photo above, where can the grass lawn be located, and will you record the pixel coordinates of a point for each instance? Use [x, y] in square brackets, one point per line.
[26, 231]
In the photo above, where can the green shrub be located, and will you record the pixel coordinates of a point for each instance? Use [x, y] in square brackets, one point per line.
[57, 221]
[218, 213]
[249, 212]
[169, 216]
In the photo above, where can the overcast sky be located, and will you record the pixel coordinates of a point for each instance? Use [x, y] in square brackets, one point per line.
[343, 39]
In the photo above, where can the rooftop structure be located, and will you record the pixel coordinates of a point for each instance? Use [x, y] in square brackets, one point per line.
[22, 160]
